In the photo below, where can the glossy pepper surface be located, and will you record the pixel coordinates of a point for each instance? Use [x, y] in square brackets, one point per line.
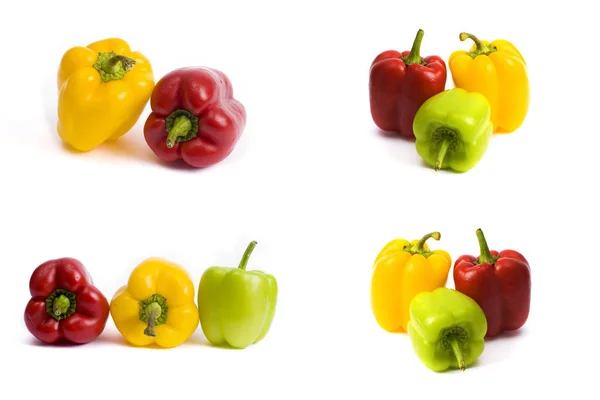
[447, 329]
[237, 306]
[400, 82]
[156, 306]
[500, 282]
[453, 130]
[499, 72]
[403, 269]
[65, 305]
[195, 117]
[102, 91]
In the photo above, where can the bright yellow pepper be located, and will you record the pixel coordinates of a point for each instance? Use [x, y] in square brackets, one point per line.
[156, 306]
[402, 270]
[102, 91]
[499, 72]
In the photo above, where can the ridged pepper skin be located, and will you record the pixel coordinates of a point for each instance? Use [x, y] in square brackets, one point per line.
[453, 130]
[194, 118]
[399, 83]
[446, 329]
[156, 306]
[499, 72]
[65, 305]
[500, 282]
[236, 306]
[402, 269]
[103, 89]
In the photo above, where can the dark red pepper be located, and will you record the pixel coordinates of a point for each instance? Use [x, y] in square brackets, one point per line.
[400, 82]
[64, 304]
[194, 117]
[500, 282]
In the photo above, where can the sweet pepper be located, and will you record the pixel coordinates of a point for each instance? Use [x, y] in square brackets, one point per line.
[446, 329]
[499, 72]
[65, 305]
[102, 91]
[453, 129]
[500, 282]
[402, 269]
[194, 118]
[156, 306]
[236, 306]
[399, 83]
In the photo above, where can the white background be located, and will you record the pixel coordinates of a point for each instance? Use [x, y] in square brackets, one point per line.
[315, 184]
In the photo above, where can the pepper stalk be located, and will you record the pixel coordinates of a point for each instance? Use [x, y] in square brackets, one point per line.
[485, 256]
[415, 52]
[112, 66]
[419, 247]
[153, 311]
[181, 126]
[480, 47]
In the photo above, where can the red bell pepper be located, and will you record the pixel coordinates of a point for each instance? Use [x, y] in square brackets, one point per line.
[500, 282]
[64, 304]
[194, 117]
[400, 82]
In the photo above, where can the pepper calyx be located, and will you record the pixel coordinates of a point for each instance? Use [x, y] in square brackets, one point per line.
[61, 304]
[419, 247]
[485, 256]
[444, 139]
[113, 66]
[181, 126]
[454, 339]
[481, 48]
[153, 311]
[415, 52]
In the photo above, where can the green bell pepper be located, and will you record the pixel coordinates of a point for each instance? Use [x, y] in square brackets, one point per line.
[236, 306]
[453, 129]
[446, 328]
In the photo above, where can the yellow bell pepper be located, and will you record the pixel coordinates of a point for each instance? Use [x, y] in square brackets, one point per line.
[156, 306]
[402, 270]
[102, 91]
[499, 72]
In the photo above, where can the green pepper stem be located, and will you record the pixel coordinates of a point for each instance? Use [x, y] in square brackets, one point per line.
[439, 161]
[481, 48]
[117, 63]
[60, 305]
[112, 66]
[415, 52]
[484, 251]
[457, 353]
[419, 247]
[247, 253]
[153, 310]
[181, 128]
[421, 244]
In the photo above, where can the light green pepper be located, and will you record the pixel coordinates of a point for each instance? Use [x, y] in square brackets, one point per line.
[236, 306]
[447, 329]
[453, 129]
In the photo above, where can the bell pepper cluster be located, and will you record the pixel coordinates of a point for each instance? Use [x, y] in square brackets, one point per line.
[104, 87]
[451, 128]
[155, 307]
[448, 327]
